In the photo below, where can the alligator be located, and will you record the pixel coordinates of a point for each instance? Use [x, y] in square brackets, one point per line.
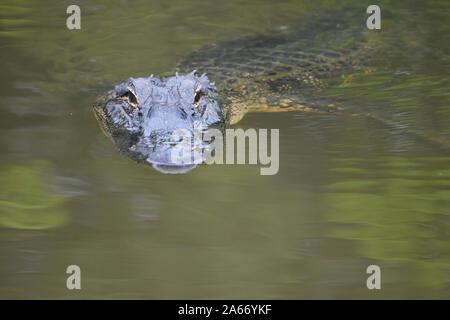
[275, 71]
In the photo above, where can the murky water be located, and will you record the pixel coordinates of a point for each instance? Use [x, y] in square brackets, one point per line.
[350, 192]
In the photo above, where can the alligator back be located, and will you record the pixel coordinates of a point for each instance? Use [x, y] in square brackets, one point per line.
[281, 70]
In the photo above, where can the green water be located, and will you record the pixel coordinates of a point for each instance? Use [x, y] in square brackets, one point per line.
[350, 192]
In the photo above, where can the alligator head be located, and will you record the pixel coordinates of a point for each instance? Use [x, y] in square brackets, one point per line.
[144, 117]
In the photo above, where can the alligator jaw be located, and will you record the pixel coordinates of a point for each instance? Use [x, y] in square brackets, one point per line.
[180, 169]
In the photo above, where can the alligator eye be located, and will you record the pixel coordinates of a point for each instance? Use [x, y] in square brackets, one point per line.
[197, 96]
[130, 96]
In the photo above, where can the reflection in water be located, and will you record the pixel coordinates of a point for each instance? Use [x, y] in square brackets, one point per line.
[146, 210]
[27, 201]
[396, 210]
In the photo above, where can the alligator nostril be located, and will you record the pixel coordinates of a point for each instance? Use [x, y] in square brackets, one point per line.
[183, 114]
